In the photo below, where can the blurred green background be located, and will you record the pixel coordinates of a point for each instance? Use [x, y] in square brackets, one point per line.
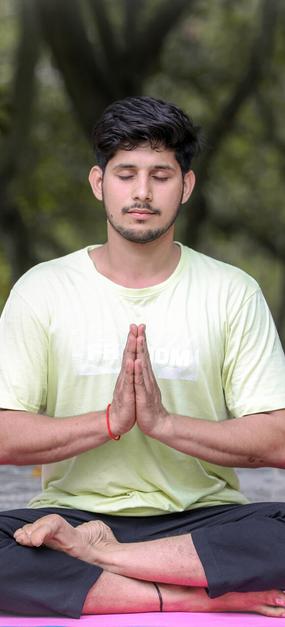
[223, 61]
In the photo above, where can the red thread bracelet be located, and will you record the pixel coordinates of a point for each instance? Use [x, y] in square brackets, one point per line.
[111, 434]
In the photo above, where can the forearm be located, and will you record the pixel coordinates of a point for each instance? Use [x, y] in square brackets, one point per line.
[250, 441]
[28, 438]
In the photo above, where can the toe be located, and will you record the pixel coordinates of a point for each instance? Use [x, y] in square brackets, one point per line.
[266, 610]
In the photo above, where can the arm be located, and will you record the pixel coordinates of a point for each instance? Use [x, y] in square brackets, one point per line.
[247, 441]
[29, 438]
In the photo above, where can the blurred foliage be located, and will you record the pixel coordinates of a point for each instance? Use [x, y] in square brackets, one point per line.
[62, 62]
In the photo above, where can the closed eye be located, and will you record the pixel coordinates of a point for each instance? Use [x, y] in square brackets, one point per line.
[127, 177]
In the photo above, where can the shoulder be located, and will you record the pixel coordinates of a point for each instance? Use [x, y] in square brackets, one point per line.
[218, 277]
[49, 275]
[211, 268]
[42, 287]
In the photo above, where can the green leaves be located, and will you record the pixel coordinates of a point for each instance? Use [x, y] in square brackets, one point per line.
[63, 62]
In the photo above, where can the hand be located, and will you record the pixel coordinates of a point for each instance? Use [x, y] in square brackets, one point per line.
[123, 407]
[150, 413]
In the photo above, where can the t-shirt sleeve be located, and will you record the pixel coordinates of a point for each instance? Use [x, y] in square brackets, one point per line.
[254, 365]
[23, 357]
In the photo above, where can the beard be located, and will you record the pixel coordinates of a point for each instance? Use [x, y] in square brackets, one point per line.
[146, 236]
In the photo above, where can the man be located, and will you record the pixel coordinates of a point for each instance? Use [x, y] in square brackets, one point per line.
[121, 366]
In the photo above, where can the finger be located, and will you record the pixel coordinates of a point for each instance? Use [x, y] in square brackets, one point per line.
[141, 330]
[124, 388]
[138, 374]
[143, 384]
[128, 375]
[145, 344]
[127, 372]
[142, 346]
[143, 355]
[128, 354]
[133, 329]
[131, 344]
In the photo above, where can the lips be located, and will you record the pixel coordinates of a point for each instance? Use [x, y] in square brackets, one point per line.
[141, 212]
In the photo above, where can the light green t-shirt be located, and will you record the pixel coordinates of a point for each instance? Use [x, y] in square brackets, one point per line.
[214, 350]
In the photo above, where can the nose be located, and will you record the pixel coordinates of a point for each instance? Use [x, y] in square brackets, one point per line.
[142, 189]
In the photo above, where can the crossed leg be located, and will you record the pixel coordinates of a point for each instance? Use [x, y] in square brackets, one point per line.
[130, 568]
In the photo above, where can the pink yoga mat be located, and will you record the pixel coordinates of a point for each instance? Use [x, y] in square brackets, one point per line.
[171, 619]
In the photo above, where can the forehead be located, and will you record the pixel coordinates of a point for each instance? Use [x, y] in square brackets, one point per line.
[144, 157]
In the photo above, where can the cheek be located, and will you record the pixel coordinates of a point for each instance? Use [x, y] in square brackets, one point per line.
[172, 197]
[115, 197]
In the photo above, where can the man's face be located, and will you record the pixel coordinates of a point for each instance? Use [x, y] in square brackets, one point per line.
[142, 190]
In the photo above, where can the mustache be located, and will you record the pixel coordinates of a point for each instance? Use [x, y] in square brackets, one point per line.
[141, 206]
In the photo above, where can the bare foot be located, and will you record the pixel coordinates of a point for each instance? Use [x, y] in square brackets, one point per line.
[86, 541]
[53, 531]
[268, 603]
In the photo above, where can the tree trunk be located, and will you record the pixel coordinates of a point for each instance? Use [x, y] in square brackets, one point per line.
[16, 239]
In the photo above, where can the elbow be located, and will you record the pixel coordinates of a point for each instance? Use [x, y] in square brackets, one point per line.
[8, 455]
[11, 438]
[274, 457]
[6, 458]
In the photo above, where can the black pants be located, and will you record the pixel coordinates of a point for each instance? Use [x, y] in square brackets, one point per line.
[241, 547]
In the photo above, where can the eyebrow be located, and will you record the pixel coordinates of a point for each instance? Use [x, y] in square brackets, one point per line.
[133, 166]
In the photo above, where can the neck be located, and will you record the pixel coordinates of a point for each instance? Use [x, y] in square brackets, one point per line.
[136, 265]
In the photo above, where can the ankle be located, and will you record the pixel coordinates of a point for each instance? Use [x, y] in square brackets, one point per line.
[184, 599]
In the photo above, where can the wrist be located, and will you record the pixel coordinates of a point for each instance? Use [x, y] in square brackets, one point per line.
[161, 426]
[111, 434]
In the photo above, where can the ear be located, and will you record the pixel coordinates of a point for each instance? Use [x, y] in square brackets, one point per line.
[96, 180]
[188, 185]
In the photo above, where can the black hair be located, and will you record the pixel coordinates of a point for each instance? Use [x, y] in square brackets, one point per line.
[127, 123]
